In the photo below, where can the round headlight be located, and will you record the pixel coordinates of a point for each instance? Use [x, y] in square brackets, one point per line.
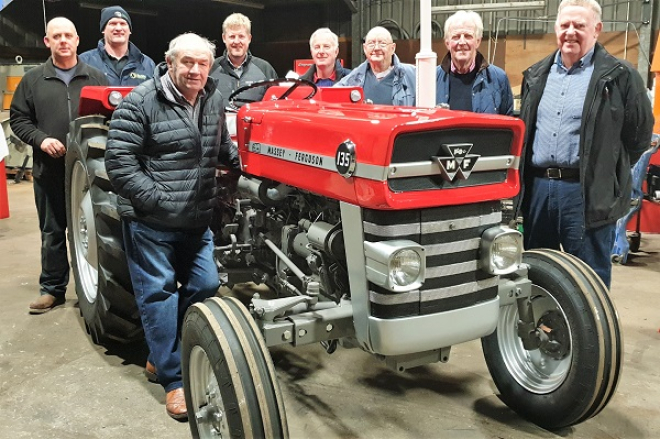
[405, 267]
[114, 98]
[506, 252]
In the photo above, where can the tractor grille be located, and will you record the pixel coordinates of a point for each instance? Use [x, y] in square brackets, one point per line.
[451, 237]
[419, 147]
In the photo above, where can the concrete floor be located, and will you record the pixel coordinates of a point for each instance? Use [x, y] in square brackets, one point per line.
[54, 383]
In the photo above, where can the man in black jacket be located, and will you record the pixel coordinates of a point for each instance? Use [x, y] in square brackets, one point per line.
[327, 70]
[44, 103]
[237, 67]
[165, 141]
[588, 121]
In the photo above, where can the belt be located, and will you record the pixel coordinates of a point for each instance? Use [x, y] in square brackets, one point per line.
[557, 173]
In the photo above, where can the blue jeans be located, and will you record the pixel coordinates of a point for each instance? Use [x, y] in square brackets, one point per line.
[51, 209]
[170, 270]
[553, 215]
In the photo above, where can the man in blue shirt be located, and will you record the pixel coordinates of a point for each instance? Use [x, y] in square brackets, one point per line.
[588, 121]
[385, 79]
[119, 59]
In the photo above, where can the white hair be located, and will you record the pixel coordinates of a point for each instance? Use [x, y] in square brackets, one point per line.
[187, 40]
[465, 17]
[324, 31]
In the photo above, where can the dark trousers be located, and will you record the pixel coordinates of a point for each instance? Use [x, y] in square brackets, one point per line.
[170, 270]
[51, 209]
[553, 216]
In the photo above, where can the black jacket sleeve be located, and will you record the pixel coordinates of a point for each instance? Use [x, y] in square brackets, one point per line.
[22, 115]
[638, 124]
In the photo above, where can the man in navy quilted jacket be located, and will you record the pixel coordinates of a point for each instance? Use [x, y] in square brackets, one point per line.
[165, 141]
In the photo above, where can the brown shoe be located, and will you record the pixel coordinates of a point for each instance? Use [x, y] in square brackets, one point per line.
[150, 373]
[45, 303]
[175, 404]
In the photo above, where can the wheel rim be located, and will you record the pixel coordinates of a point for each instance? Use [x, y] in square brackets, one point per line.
[83, 231]
[538, 371]
[208, 409]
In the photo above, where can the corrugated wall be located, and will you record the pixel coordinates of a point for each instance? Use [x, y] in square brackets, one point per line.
[401, 17]
[617, 15]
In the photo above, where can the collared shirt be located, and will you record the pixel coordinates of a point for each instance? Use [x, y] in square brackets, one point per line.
[472, 66]
[238, 70]
[557, 137]
[175, 95]
[325, 82]
[118, 64]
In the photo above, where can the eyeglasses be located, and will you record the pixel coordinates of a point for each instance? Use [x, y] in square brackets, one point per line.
[379, 44]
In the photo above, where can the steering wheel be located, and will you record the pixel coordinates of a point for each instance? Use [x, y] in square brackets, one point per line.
[268, 83]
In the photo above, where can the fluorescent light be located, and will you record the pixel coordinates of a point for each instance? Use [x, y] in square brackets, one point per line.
[247, 4]
[491, 7]
[129, 10]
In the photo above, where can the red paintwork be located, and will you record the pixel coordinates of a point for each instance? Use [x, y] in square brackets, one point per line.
[94, 100]
[325, 94]
[319, 127]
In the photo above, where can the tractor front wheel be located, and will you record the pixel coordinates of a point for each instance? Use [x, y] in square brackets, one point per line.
[572, 377]
[228, 375]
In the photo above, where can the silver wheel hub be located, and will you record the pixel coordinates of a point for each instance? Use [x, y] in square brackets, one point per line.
[539, 371]
[208, 407]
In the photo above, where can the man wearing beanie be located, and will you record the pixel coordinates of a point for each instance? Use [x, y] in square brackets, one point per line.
[119, 59]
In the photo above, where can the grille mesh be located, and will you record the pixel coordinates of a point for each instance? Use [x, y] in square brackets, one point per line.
[451, 237]
[421, 146]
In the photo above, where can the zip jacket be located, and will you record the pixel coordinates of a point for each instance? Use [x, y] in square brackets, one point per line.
[403, 89]
[43, 106]
[617, 123]
[138, 68]
[340, 72]
[161, 163]
[491, 91]
[254, 70]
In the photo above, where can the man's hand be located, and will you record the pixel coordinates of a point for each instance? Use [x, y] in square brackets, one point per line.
[53, 147]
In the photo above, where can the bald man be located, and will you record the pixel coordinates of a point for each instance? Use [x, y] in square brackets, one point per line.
[44, 103]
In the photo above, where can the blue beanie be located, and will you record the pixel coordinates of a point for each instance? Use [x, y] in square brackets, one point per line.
[111, 12]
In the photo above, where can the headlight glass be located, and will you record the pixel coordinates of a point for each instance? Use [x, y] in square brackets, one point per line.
[114, 98]
[405, 267]
[506, 251]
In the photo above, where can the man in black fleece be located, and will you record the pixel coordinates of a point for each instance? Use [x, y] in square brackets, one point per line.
[44, 103]
[237, 67]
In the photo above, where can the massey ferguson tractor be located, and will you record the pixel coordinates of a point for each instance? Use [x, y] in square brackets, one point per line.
[374, 227]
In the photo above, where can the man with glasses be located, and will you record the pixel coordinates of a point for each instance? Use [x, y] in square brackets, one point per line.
[327, 70]
[383, 77]
[465, 79]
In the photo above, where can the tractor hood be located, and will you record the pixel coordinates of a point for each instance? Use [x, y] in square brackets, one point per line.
[379, 156]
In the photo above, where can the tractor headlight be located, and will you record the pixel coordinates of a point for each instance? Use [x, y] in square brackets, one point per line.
[395, 265]
[501, 250]
[114, 98]
[405, 267]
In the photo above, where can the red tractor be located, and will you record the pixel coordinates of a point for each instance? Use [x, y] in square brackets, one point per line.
[374, 227]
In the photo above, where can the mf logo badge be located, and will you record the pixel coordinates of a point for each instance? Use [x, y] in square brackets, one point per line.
[457, 161]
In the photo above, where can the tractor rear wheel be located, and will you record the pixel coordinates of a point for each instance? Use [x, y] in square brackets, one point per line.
[103, 285]
[573, 378]
[228, 375]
